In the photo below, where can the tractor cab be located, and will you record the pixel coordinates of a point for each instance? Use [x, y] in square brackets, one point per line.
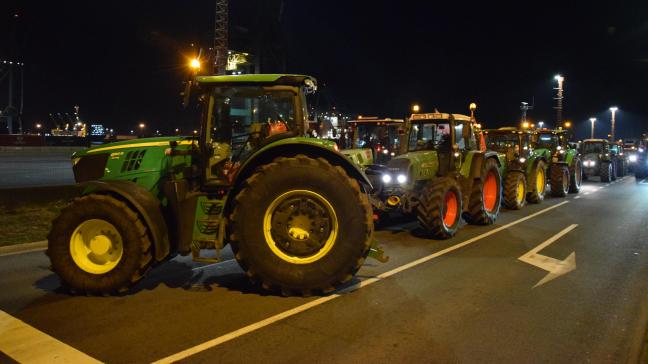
[373, 140]
[510, 142]
[556, 142]
[245, 113]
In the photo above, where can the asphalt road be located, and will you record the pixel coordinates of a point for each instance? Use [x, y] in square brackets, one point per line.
[470, 299]
[32, 167]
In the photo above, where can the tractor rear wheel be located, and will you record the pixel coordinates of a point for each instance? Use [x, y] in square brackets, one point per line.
[99, 245]
[576, 178]
[559, 180]
[539, 183]
[439, 207]
[615, 171]
[485, 197]
[514, 190]
[621, 168]
[301, 225]
[606, 171]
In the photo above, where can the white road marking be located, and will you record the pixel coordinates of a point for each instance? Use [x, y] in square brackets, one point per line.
[25, 344]
[587, 193]
[555, 267]
[213, 264]
[307, 306]
[576, 197]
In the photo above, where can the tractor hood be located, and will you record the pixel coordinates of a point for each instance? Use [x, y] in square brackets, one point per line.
[417, 165]
[134, 143]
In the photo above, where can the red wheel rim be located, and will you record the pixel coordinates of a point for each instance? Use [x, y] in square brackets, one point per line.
[451, 209]
[490, 192]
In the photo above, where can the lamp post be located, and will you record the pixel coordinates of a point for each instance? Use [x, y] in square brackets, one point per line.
[613, 109]
[416, 108]
[592, 120]
[141, 127]
[559, 99]
[540, 124]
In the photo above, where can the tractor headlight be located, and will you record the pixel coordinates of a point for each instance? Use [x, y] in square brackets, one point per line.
[589, 163]
[561, 151]
[385, 151]
[641, 150]
[401, 178]
[522, 160]
[386, 178]
[632, 158]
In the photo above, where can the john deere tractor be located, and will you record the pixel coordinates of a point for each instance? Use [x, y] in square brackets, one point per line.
[445, 175]
[601, 158]
[294, 210]
[565, 167]
[525, 172]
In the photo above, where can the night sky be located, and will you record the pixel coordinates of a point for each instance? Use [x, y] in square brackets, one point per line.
[123, 62]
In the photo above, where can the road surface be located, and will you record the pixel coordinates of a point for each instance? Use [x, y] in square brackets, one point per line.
[33, 167]
[559, 282]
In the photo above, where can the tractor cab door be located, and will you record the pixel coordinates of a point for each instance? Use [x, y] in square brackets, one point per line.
[240, 120]
[465, 142]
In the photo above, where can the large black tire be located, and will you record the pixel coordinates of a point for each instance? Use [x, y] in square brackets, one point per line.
[640, 173]
[484, 204]
[576, 177]
[606, 171]
[305, 192]
[614, 174]
[559, 180]
[439, 207]
[535, 194]
[621, 167]
[137, 252]
[515, 190]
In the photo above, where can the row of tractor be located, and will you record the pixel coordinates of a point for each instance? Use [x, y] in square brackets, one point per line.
[297, 212]
[450, 168]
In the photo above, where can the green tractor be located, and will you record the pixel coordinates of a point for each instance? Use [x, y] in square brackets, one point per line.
[373, 142]
[444, 175]
[602, 158]
[525, 172]
[565, 167]
[294, 210]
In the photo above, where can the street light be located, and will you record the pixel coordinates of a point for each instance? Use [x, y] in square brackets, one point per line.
[613, 109]
[194, 64]
[540, 124]
[592, 120]
[416, 108]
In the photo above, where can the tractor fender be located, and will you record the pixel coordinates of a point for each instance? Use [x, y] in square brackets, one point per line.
[313, 150]
[478, 160]
[144, 202]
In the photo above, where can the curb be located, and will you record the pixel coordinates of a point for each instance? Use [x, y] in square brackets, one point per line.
[23, 248]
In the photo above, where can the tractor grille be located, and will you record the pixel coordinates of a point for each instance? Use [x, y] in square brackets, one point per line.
[133, 160]
[90, 167]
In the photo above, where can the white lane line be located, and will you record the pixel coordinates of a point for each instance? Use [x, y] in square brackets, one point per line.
[307, 306]
[25, 344]
[587, 193]
[576, 197]
[213, 264]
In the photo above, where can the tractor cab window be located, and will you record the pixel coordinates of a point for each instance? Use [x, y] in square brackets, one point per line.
[503, 142]
[430, 136]
[245, 116]
[548, 141]
[593, 148]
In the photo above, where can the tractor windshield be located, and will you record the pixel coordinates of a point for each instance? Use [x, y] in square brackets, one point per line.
[592, 148]
[430, 136]
[548, 141]
[244, 116]
[503, 142]
[375, 136]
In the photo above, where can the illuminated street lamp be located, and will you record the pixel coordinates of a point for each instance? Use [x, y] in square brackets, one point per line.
[39, 125]
[141, 127]
[613, 109]
[592, 120]
[194, 64]
[568, 124]
[540, 124]
[525, 125]
[416, 108]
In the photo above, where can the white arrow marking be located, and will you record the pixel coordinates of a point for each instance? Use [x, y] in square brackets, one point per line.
[555, 267]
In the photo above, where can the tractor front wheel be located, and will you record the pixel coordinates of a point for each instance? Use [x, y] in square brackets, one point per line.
[99, 245]
[485, 197]
[538, 184]
[439, 208]
[606, 171]
[514, 190]
[559, 180]
[301, 225]
[576, 178]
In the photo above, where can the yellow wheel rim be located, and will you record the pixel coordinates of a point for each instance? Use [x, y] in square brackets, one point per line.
[540, 181]
[520, 191]
[300, 226]
[96, 246]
